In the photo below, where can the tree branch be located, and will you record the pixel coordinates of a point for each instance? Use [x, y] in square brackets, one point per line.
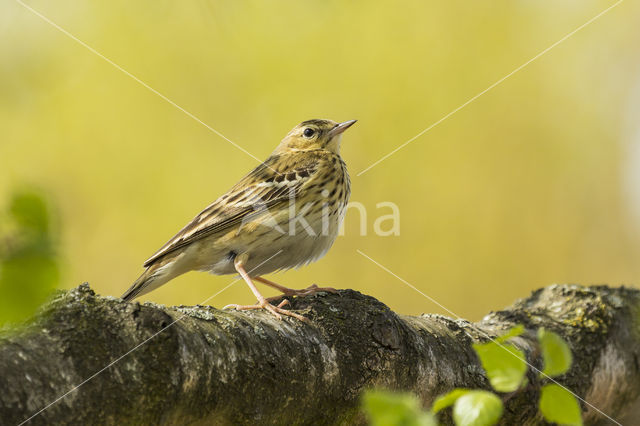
[202, 365]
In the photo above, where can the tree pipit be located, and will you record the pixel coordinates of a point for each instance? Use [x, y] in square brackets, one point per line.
[284, 214]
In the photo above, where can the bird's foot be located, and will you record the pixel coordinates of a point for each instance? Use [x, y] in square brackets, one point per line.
[312, 289]
[277, 311]
[286, 291]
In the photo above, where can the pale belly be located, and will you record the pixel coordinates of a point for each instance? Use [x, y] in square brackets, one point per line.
[271, 249]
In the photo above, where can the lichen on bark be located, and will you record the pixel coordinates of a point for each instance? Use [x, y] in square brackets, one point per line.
[201, 365]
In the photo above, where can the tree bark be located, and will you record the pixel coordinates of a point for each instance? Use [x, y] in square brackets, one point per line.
[201, 365]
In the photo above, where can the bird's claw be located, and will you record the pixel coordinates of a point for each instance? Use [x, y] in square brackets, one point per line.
[312, 289]
[276, 311]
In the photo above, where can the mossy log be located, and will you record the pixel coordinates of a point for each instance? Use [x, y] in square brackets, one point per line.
[150, 364]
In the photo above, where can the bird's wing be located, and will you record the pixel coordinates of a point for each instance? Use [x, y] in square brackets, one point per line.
[262, 189]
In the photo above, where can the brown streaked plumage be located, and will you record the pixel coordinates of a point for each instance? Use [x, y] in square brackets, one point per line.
[285, 213]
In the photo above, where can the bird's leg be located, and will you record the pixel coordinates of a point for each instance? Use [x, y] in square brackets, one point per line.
[312, 289]
[262, 302]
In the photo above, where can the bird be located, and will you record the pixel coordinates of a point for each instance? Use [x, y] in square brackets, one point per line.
[285, 213]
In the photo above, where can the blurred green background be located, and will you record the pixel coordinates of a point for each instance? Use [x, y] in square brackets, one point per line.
[534, 183]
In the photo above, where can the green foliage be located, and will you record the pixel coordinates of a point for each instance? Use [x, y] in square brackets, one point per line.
[504, 363]
[506, 368]
[29, 266]
[385, 408]
[555, 353]
[512, 332]
[559, 406]
[470, 407]
[556, 403]
[477, 408]
[447, 400]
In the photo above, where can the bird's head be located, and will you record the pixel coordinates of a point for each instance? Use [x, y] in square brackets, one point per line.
[315, 134]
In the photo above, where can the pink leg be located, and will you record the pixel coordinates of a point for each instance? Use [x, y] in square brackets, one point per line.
[262, 302]
[293, 292]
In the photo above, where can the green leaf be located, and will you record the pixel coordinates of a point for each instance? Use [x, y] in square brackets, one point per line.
[513, 332]
[504, 363]
[29, 209]
[477, 408]
[386, 408]
[555, 353]
[446, 400]
[559, 406]
[29, 264]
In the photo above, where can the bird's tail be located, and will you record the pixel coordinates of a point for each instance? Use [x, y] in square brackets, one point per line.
[148, 281]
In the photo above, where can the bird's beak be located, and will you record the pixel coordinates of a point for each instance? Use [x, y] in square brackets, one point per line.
[341, 127]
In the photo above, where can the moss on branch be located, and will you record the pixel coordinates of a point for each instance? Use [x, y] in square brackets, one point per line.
[182, 365]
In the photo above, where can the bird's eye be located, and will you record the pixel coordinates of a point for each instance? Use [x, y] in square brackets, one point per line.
[308, 132]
